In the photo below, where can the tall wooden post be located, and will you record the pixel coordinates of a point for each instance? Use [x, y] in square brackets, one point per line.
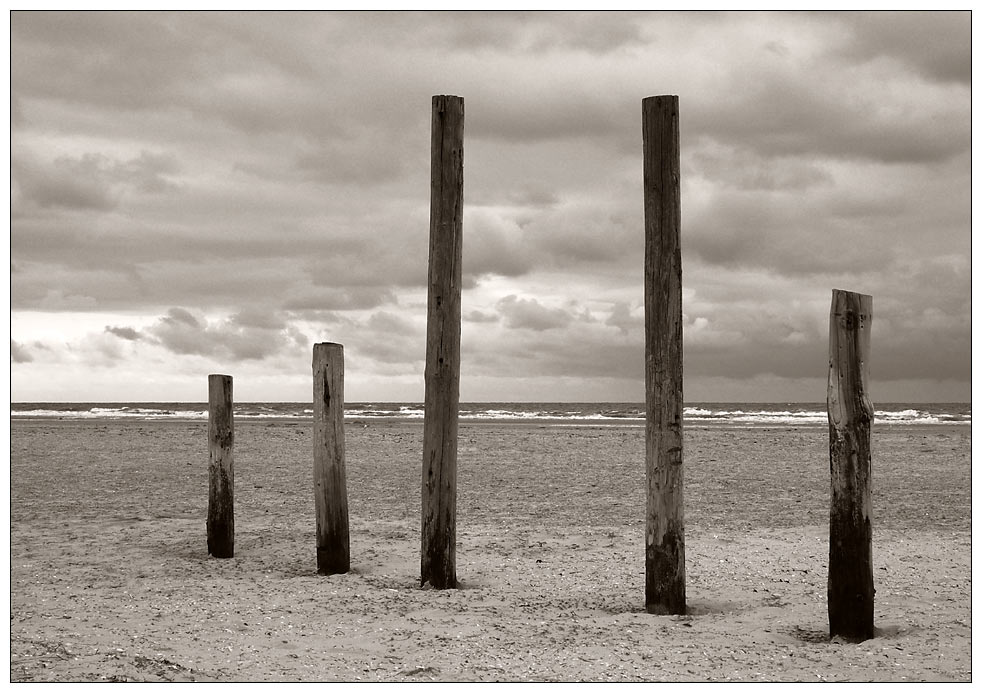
[221, 471]
[330, 483]
[665, 529]
[442, 399]
[850, 420]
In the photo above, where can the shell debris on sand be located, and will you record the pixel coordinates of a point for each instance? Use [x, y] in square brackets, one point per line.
[550, 557]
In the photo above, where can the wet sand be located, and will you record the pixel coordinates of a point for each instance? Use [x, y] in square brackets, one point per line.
[111, 581]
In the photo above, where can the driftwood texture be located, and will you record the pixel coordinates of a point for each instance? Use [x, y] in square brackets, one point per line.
[330, 485]
[442, 397]
[664, 532]
[850, 583]
[221, 470]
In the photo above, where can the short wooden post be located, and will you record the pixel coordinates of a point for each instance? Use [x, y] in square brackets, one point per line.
[330, 485]
[665, 528]
[221, 471]
[442, 378]
[850, 421]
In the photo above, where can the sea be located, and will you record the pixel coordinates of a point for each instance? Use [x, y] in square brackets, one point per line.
[696, 414]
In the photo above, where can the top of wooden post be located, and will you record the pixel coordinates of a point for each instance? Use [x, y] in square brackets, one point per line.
[443, 101]
[665, 100]
[852, 293]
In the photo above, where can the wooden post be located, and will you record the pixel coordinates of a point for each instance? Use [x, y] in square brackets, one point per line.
[442, 399]
[221, 471]
[665, 529]
[850, 420]
[330, 486]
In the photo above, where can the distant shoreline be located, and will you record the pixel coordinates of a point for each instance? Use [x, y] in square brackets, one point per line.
[878, 427]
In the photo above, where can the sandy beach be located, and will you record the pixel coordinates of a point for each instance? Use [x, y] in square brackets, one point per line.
[111, 580]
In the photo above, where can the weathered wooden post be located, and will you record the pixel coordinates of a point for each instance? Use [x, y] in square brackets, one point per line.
[221, 471]
[330, 486]
[665, 528]
[850, 420]
[442, 398]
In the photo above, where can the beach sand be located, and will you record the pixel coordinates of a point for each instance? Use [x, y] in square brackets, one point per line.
[110, 577]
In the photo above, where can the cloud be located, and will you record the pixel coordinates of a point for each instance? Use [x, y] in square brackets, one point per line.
[237, 337]
[19, 353]
[782, 117]
[531, 32]
[936, 44]
[479, 317]
[550, 343]
[178, 317]
[258, 317]
[327, 298]
[127, 333]
[624, 318]
[66, 183]
[824, 95]
[92, 182]
[527, 313]
[238, 182]
[742, 169]
[389, 339]
[534, 194]
[364, 158]
[580, 233]
[494, 244]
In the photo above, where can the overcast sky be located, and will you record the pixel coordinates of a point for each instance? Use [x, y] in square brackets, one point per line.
[214, 193]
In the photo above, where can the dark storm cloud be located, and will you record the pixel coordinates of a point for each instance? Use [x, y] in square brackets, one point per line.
[740, 231]
[522, 33]
[65, 183]
[783, 116]
[90, 182]
[270, 173]
[581, 233]
[180, 316]
[584, 350]
[248, 335]
[544, 117]
[117, 268]
[387, 338]
[936, 44]
[145, 60]
[495, 245]
[239, 338]
[127, 333]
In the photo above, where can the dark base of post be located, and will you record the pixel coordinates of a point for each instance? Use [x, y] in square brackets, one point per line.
[852, 626]
[221, 540]
[664, 591]
[438, 577]
[438, 566]
[850, 592]
[329, 563]
[443, 582]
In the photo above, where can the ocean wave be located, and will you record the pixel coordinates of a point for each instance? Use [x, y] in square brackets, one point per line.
[699, 415]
